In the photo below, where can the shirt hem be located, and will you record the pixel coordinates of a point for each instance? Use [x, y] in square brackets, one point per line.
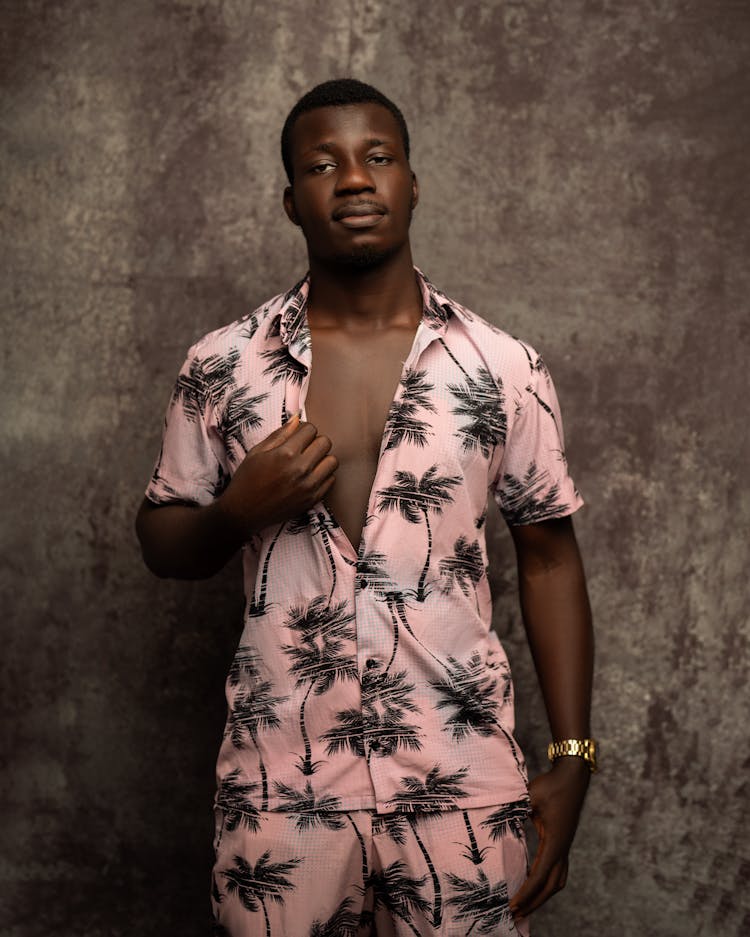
[549, 516]
[372, 806]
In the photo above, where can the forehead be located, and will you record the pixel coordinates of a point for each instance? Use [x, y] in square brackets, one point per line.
[344, 125]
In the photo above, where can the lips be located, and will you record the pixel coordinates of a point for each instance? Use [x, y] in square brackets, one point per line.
[359, 214]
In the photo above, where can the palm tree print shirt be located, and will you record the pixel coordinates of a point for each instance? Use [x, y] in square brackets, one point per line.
[361, 674]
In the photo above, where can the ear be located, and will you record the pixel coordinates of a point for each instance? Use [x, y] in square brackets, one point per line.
[291, 211]
[414, 191]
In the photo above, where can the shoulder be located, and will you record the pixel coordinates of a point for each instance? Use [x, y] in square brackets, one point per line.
[504, 354]
[247, 335]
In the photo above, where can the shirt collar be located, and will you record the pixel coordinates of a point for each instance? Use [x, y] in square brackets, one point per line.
[293, 329]
[437, 311]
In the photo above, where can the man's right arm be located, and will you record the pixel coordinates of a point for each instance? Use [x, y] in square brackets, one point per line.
[285, 474]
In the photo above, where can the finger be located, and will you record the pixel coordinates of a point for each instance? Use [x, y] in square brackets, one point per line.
[537, 877]
[553, 885]
[324, 488]
[322, 472]
[300, 439]
[279, 435]
[531, 888]
[312, 455]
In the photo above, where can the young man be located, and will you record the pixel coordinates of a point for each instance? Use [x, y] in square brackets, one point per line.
[345, 436]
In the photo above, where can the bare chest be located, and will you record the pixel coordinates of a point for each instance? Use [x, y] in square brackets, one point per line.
[353, 381]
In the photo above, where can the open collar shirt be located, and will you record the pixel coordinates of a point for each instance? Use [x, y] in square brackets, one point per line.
[371, 679]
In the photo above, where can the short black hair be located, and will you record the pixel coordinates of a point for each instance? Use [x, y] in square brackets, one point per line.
[338, 92]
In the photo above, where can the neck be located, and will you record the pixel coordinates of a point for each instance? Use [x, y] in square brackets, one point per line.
[370, 298]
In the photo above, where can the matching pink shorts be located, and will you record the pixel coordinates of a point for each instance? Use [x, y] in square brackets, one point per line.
[314, 873]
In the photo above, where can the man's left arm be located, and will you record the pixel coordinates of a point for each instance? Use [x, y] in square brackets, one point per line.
[557, 617]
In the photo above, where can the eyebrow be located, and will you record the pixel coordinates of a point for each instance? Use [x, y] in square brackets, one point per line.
[329, 147]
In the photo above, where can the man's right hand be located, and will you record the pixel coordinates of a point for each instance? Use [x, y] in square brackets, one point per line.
[283, 475]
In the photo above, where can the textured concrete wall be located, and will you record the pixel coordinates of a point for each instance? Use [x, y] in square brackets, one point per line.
[584, 184]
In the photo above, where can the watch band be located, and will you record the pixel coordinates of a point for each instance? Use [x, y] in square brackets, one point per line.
[581, 748]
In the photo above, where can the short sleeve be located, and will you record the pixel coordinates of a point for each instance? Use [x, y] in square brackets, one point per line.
[192, 464]
[532, 483]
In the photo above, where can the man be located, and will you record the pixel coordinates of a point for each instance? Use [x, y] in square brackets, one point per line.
[345, 436]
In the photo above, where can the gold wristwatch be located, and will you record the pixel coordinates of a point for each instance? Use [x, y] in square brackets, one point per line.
[581, 748]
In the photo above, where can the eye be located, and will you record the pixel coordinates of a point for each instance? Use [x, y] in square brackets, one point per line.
[319, 168]
[380, 159]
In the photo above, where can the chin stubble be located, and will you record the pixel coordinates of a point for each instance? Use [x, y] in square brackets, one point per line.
[365, 257]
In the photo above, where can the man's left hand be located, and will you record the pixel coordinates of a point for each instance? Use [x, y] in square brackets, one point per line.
[556, 800]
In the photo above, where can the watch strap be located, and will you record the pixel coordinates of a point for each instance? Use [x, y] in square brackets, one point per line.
[580, 748]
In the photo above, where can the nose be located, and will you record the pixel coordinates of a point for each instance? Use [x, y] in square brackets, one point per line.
[354, 176]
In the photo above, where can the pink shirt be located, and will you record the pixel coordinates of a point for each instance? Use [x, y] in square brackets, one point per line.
[365, 680]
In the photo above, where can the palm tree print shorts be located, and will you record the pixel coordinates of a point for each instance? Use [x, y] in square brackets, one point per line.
[357, 873]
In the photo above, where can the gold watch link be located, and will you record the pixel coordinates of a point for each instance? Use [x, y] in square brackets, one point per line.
[581, 748]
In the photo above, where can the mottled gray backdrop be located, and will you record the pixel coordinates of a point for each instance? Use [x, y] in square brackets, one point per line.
[584, 172]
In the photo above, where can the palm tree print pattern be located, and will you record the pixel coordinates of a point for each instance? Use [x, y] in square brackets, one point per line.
[402, 423]
[253, 710]
[308, 810]
[307, 854]
[236, 800]
[415, 499]
[379, 728]
[372, 574]
[283, 366]
[438, 792]
[344, 922]
[464, 568]
[508, 820]
[205, 382]
[470, 692]
[357, 668]
[399, 893]
[530, 499]
[239, 416]
[483, 903]
[294, 323]
[320, 524]
[256, 607]
[480, 400]
[264, 881]
[311, 812]
[320, 660]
